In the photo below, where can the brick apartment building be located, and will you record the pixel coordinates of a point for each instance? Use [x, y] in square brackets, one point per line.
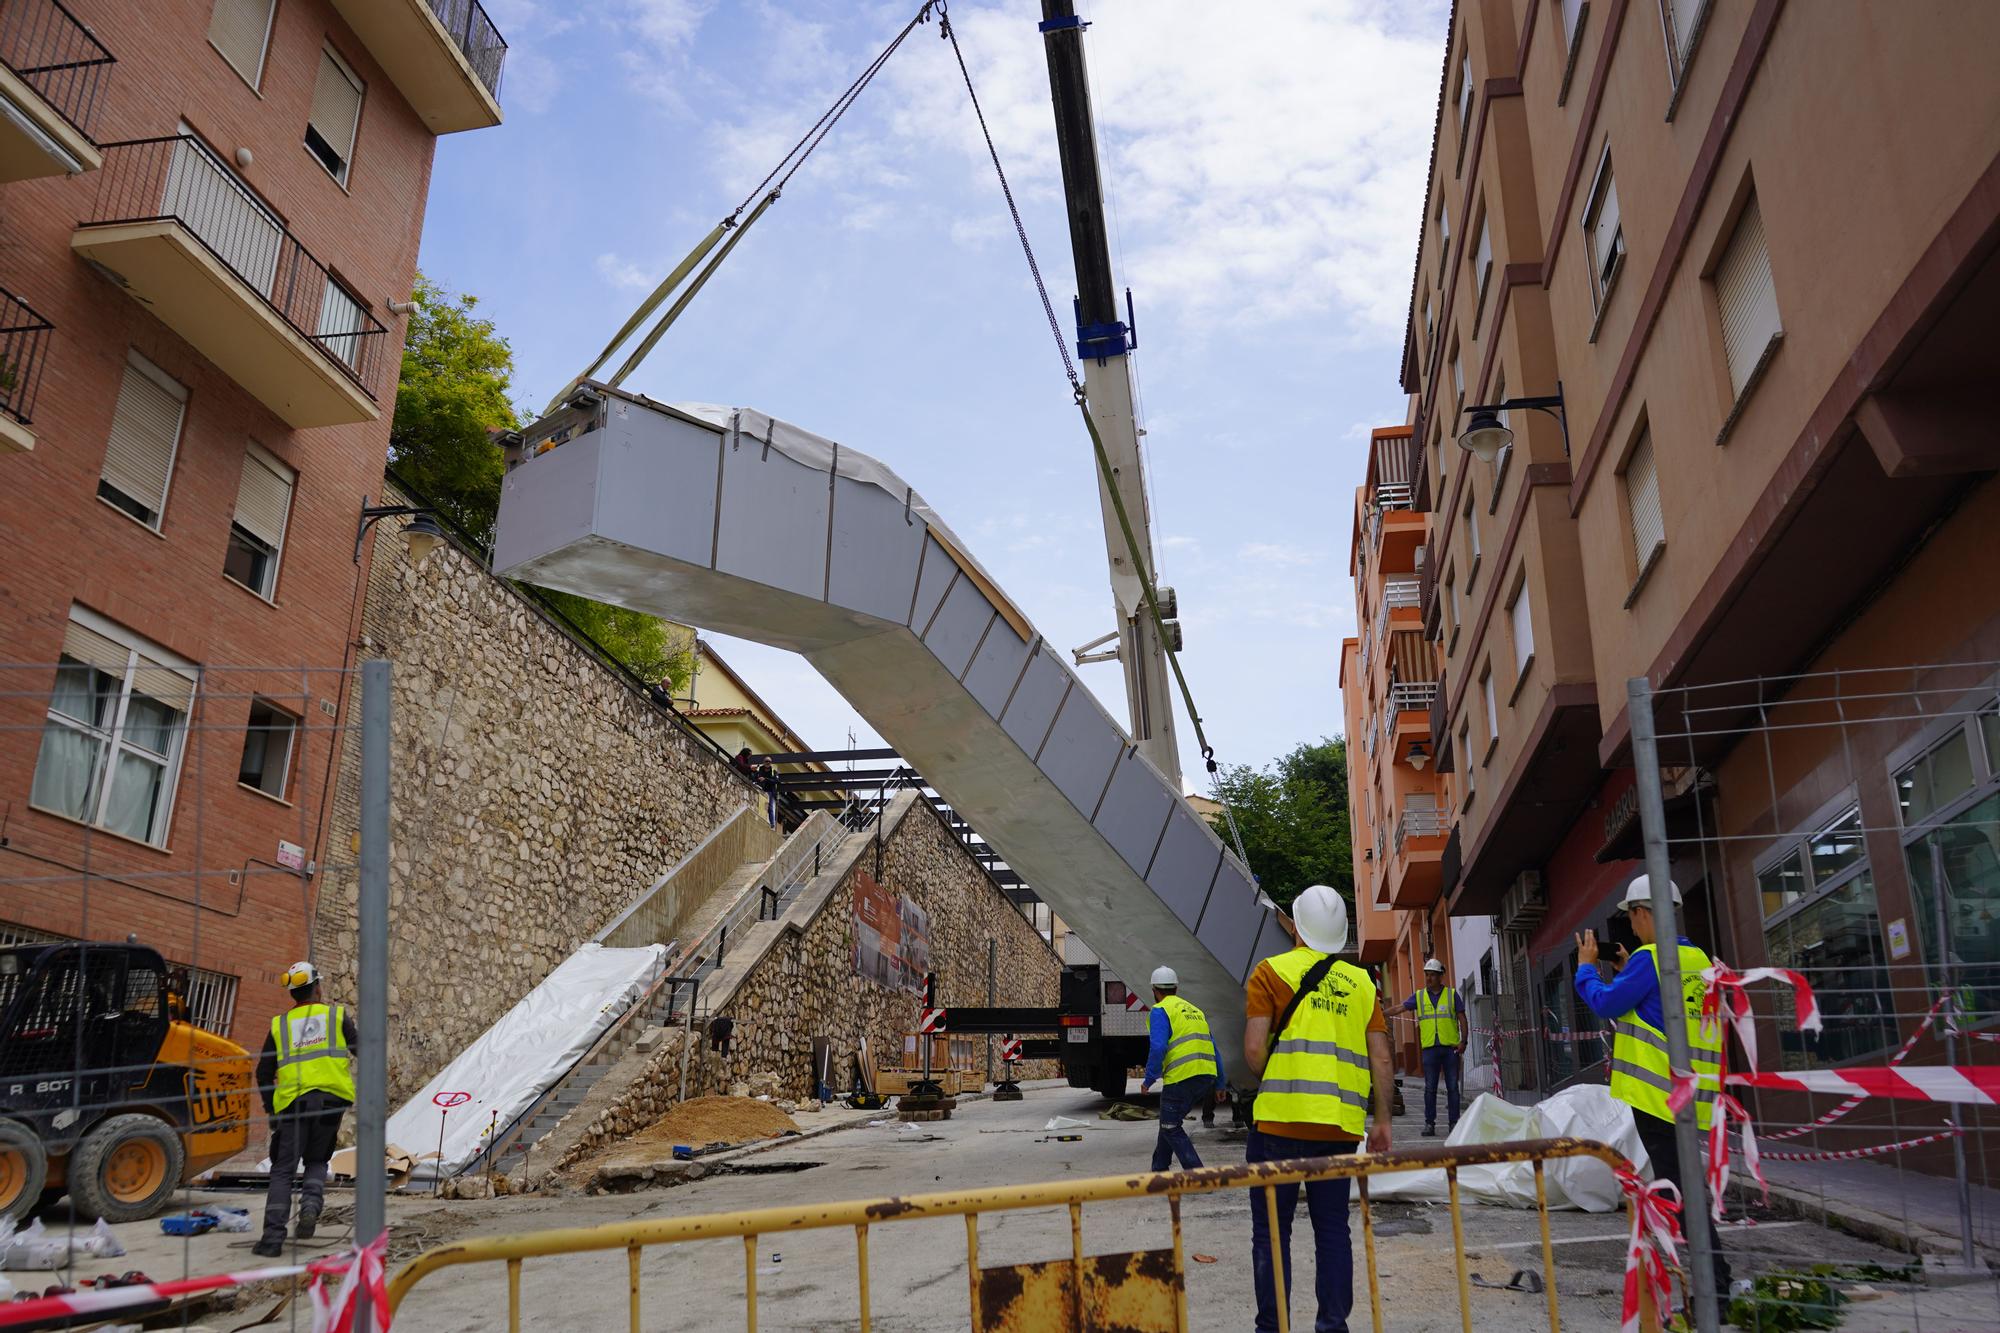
[1751, 245]
[209, 210]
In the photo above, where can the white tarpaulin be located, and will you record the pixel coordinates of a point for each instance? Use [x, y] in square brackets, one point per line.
[1583, 1112]
[520, 1057]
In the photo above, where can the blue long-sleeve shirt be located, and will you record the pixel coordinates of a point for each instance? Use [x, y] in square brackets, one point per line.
[1160, 1029]
[1635, 990]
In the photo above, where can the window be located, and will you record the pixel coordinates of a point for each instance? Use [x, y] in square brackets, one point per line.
[1444, 242]
[1819, 899]
[211, 996]
[267, 749]
[1682, 22]
[1430, 329]
[145, 433]
[1573, 14]
[1642, 504]
[1524, 628]
[341, 320]
[1492, 709]
[1457, 377]
[1451, 603]
[1747, 299]
[257, 536]
[1464, 96]
[111, 746]
[210, 200]
[1506, 453]
[1603, 231]
[241, 31]
[1471, 535]
[1482, 269]
[336, 114]
[1954, 859]
[1437, 451]
[1465, 760]
[1936, 780]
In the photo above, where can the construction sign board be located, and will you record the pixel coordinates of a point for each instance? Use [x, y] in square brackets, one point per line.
[891, 936]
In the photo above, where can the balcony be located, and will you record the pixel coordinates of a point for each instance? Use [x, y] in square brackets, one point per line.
[24, 341]
[51, 73]
[1401, 593]
[1416, 874]
[444, 56]
[1415, 696]
[1395, 529]
[175, 227]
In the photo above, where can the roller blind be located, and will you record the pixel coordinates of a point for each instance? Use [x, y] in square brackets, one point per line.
[169, 685]
[264, 497]
[1746, 297]
[101, 651]
[145, 427]
[1642, 499]
[239, 29]
[164, 683]
[336, 107]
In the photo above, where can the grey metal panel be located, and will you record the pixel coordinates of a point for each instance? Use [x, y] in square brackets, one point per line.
[558, 510]
[996, 666]
[1185, 865]
[1271, 940]
[773, 519]
[1230, 925]
[1133, 808]
[1035, 701]
[956, 629]
[937, 574]
[1080, 750]
[874, 551]
[660, 483]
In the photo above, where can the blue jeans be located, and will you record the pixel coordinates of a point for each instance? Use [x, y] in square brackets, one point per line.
[1440, 1060]
[1333, 1249]
[1176, 1100]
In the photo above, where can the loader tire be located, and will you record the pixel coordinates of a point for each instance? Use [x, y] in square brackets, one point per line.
[24, 1170]
[126, 1168]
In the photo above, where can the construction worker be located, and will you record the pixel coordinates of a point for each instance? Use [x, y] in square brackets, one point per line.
[1316, 1034]
[1641, 1075]
[1440, 1012]
[1182, 1060]
[307, 1083]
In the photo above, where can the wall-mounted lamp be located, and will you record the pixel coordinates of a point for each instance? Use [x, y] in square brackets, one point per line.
[422, 532]
[1418, 756]
[1486, 436]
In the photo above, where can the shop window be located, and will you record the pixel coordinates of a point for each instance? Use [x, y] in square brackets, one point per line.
[1822, 920]
[1936, 780]
[1955, 885]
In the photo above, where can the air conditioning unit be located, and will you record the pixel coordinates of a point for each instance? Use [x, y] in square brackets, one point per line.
[1524, 903]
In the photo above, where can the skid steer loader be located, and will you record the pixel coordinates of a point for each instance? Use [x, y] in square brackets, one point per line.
[107, 1093]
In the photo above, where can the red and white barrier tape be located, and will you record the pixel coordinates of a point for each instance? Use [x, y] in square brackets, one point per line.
[1973, 1085]
[1902, 1054]
[1652, 1251]
[331, 1314]
[1859, 1154]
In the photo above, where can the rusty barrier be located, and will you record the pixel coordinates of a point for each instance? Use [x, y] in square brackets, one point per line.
[1142, 1290]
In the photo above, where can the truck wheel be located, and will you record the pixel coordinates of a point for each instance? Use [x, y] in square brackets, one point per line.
[126, 1168]
[1111, 1084]
[24, 1169]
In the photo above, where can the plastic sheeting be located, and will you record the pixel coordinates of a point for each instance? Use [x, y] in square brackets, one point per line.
[526, 1053]
[1585, 1112]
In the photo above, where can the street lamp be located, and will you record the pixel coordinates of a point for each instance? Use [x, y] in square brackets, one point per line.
[1487, 435]
[1418, 756]
[421, 533]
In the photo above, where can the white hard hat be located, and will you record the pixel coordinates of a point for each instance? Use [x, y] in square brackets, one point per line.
[1639, 893]
[1165, 977]
[300, 974]
[1433, 966]
[1321, 916]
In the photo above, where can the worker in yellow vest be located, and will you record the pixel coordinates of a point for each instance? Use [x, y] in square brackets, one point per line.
[1441, 1030]
[307, 1084]
[1316, 1035]
[1181, 1059]
[1641, 1074]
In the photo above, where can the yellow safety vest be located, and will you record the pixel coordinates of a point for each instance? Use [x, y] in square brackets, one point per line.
[1190, 1048]
[1318, 1071]
[1437, 1022]
[1641, 1075]
[312, 1053]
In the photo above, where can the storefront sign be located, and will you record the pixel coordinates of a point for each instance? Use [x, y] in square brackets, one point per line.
[291, 855]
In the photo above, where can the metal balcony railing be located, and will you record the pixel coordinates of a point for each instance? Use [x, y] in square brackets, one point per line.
[1419, 822]
[1392, 495]
[48, 49]
[179, 178]
[24, 340]
[1400, 592]
[1412, 696]
[476, 36]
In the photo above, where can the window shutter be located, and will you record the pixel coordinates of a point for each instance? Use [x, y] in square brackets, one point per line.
[1524, 628]
[1749, 301]
[145, 427]
[238, 28]
[336, 106]
[264, 497]
[164, 683]
[87, 645]
[1642, 498]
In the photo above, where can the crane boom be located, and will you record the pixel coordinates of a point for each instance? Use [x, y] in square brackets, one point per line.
[1103, 344]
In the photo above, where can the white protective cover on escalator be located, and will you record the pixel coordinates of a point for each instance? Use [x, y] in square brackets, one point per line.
[1587, 1111]
[524, 1054]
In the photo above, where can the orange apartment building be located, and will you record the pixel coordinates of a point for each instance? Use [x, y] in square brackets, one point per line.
[1744, 251]
[209, 216]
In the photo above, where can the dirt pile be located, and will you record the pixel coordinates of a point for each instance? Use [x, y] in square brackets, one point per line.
[700, 1121]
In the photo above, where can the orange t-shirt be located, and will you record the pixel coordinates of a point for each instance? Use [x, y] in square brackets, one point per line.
[1266, 997]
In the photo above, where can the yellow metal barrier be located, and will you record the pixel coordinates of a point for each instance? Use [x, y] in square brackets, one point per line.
[1145, 1290]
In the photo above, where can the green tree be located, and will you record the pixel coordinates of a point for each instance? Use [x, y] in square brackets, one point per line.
[1294, 819]
[451, 401]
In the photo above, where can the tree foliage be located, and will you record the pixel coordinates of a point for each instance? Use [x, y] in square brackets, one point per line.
[1294, 819]
[451, 400]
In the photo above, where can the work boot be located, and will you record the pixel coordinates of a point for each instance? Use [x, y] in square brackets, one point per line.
[1430, 1131]
[308, 1223]
[269, 1247]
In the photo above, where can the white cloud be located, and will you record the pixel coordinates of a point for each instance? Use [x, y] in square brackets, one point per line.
[625, 274]
[659, 34]
[1280, 555]
[533, 80]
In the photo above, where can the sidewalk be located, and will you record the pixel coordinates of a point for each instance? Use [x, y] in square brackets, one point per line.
[1903, 1209]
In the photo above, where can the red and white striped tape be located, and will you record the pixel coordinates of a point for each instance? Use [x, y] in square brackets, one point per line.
[1902, 1054]
[1858, 1154]
[1970, 1085]
[1651, 1252]
[332, 1312]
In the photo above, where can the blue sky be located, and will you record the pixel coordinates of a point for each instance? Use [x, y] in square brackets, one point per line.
[1266, 176]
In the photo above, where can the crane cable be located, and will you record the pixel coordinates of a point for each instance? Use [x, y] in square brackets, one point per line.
[736, 225]
[1105, 470]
